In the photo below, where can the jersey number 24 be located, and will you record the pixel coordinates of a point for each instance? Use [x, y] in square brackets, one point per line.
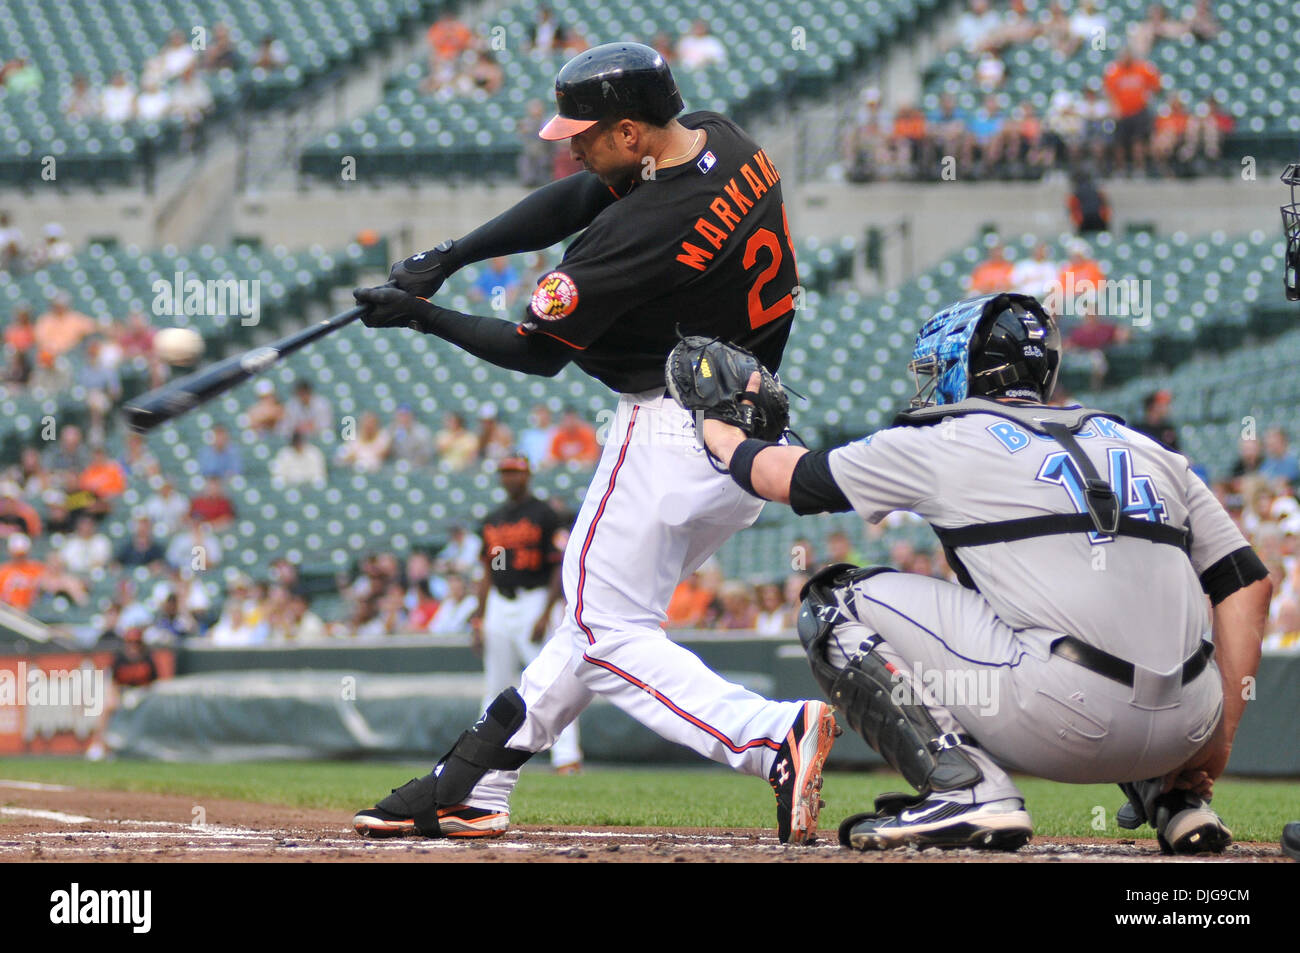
[765, 239]
[1136, 494]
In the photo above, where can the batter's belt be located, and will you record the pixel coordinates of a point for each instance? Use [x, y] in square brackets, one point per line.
[1118, 670]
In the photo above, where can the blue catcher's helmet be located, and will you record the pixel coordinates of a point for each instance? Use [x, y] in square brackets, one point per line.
[1000, 345]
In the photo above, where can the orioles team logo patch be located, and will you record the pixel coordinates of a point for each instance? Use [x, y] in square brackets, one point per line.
[555, 296]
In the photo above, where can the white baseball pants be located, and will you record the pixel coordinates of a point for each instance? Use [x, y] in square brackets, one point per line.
[655, 511]
[508, 646]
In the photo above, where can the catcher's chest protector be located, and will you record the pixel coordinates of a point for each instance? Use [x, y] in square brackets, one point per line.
[1104, 510]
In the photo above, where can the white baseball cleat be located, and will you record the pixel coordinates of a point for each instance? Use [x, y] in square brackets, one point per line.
[995, 825]
[796, 775]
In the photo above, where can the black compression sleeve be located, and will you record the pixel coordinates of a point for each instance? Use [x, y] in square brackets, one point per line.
[539, 220]
[813, 488]
[1237, 570]
[494, 340]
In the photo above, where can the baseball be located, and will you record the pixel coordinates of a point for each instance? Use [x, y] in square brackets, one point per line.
[178, 345]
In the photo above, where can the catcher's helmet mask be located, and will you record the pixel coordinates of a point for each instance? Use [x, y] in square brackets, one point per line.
[1291, 226]
[1000, 345]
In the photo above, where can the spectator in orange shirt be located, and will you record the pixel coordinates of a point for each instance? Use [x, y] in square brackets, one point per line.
[574, 439]
[61, 329]
[20, 577]
[907, 137]
[993, 274]
[20, 334]
[1080, 272]
[448, 38]
[1170, 134]
[691, 606]
[104, 478]
[1130, 84]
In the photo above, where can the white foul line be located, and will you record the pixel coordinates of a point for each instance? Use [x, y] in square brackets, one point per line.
[34, 786]
[45, 815]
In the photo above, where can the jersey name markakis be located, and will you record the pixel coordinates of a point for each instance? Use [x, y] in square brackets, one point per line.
[730, 213]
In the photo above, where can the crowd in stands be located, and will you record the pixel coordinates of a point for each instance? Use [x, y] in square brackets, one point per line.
[1121, 120]
[171, 83]
[51, 351]
[16, 255]
[1075, 283]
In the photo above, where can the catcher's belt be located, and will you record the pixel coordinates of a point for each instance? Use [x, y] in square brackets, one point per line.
[1118, 670]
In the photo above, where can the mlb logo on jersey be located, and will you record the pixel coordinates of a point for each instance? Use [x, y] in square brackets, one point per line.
[707, 162]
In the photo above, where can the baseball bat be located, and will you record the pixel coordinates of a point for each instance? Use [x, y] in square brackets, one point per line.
[185, 393]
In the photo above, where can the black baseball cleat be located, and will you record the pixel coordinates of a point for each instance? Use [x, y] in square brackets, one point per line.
[995, 825]
[1184, 823]
[1191, 827]
[796, 775]
[395, 815]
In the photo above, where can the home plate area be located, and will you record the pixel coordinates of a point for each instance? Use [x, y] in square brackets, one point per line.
[56, 823]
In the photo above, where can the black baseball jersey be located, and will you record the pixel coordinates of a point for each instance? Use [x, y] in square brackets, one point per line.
[519, 544]
[702, 246]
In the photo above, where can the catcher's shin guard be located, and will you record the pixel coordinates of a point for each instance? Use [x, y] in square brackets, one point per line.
[476, 752]
[905, 735]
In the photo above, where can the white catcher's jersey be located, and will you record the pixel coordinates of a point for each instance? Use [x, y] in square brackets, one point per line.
[1135, 599]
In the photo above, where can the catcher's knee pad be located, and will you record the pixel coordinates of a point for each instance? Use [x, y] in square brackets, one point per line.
[476, 752]
[905, 734]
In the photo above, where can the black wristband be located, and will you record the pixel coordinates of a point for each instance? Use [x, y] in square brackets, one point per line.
[742, 463]
[449, 255]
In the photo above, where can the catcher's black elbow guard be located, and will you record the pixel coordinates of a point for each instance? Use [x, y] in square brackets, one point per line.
[741, 466]
[1237, 570]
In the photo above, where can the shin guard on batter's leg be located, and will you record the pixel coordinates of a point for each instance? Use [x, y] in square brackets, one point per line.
[477, 751]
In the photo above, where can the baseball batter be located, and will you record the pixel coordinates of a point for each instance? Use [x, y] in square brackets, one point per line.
[1080, 638]
[518, 589]
[685, 229]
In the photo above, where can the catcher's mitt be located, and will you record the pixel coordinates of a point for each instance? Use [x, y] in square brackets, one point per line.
[711, 377]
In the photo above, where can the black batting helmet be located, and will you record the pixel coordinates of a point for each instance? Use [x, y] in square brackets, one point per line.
[614, 80]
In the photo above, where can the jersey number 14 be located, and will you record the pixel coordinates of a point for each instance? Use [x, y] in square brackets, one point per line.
[1136, 494]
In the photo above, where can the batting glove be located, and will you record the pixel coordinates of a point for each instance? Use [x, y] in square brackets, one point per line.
[391, 307]
[423, 274]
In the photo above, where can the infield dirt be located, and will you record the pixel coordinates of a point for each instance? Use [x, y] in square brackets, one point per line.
[56, 823]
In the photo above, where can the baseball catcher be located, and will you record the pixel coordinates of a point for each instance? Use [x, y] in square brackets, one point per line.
[1080, 645]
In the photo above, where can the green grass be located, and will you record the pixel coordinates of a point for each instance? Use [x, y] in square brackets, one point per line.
[704, 797]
